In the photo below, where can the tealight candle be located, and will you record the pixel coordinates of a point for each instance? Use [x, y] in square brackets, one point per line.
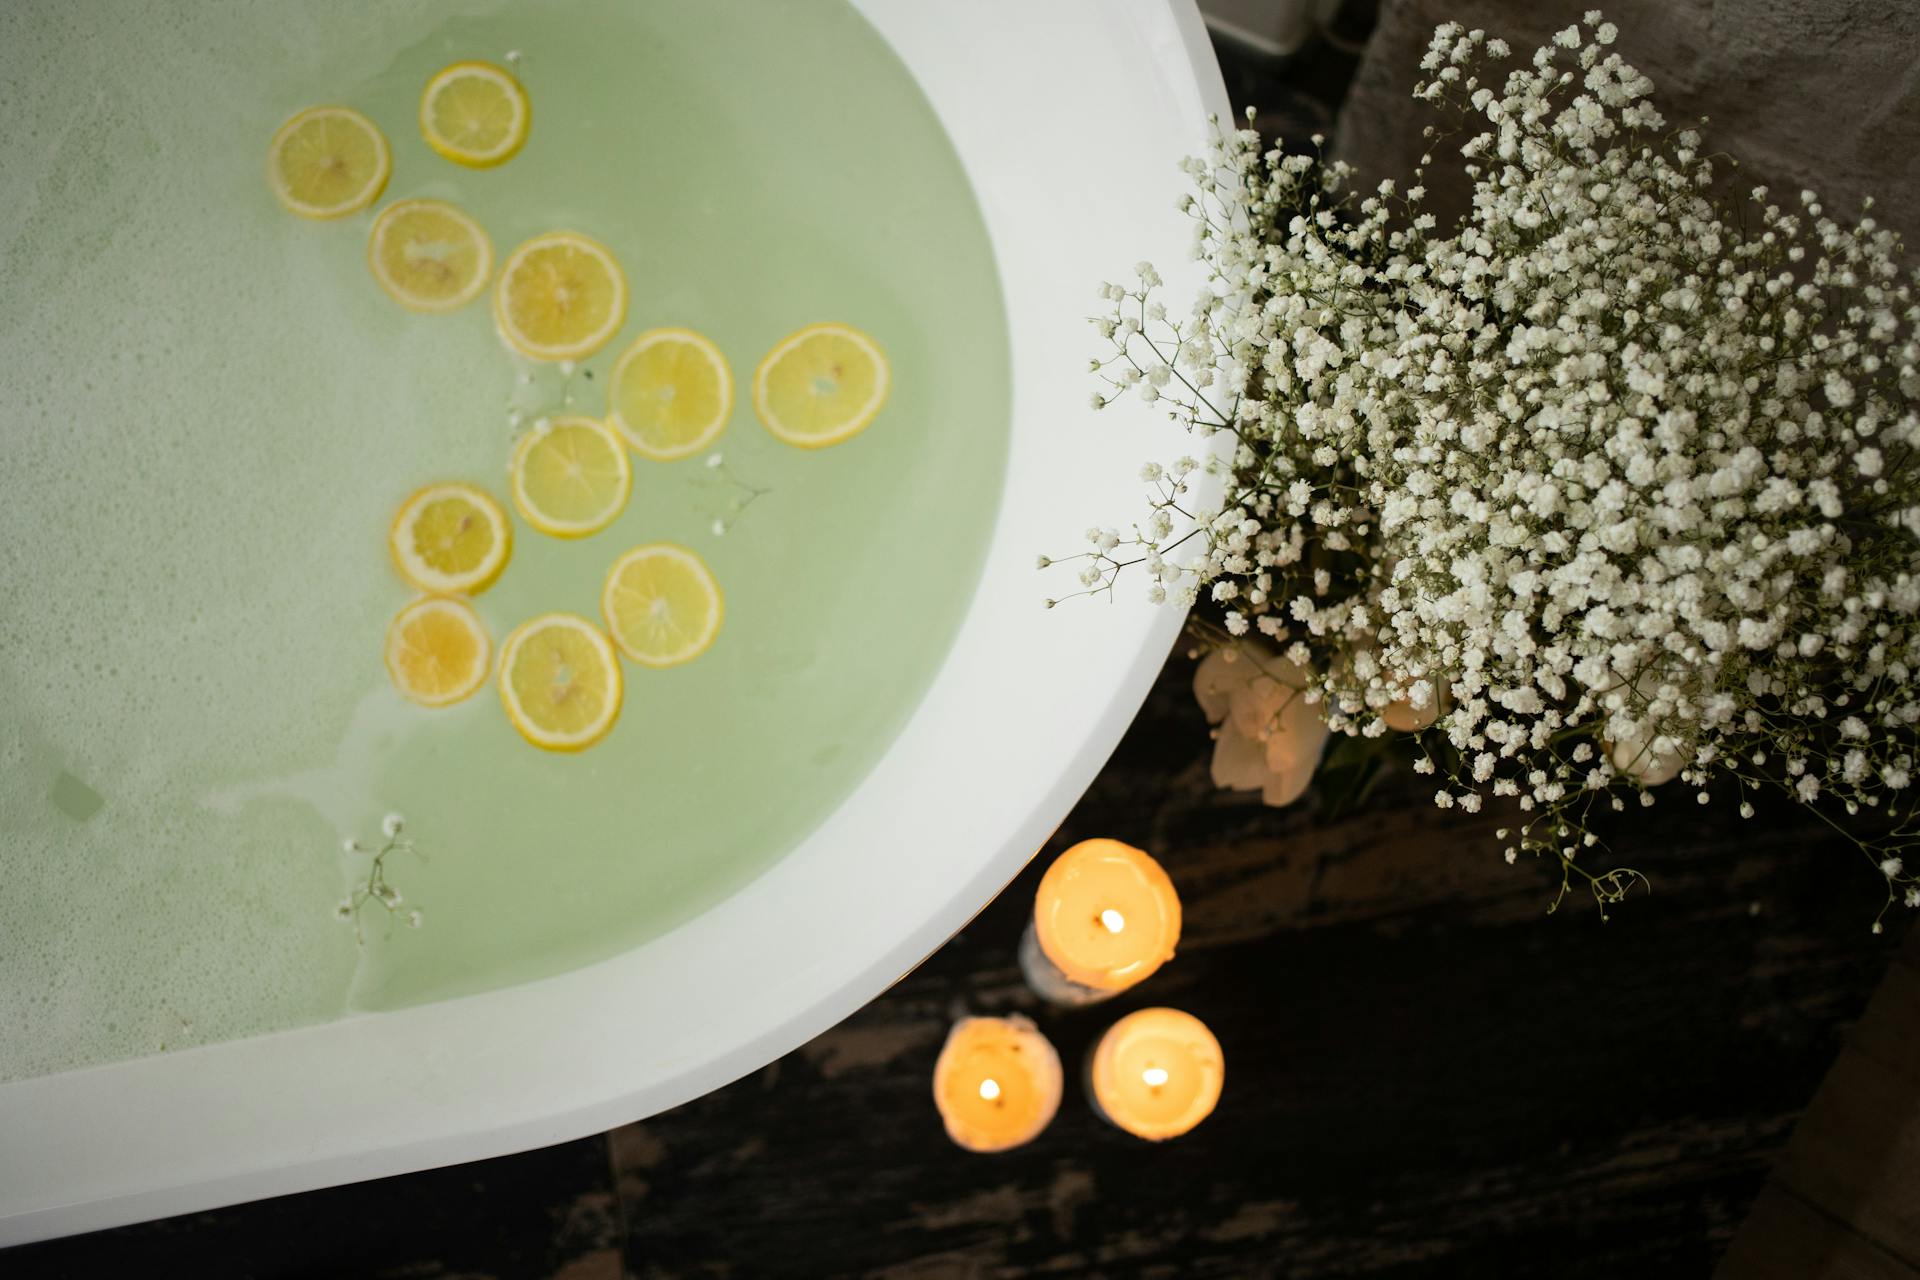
[1105, 917]
[1156, 1073]
[997, 1083]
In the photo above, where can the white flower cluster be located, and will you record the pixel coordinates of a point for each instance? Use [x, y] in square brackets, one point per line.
[1619, 480]
[374, 886]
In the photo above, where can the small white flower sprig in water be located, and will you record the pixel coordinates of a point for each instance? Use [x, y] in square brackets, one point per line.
[1613, 483]
[541, 393]
[374, 887]
[727, 496]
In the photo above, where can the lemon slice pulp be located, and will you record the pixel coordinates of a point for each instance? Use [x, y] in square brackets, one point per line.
[662, 605]
[572, 478]
[328, 162]
[450, 539]
[429, 255]
[437, 651]
[670, 394]
[821, 385]
[560, 682]
[475, 114]
[561, 296]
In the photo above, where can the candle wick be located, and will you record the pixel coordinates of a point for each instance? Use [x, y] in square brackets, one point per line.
[990, 1089]
[1114, 921]
[1154, 1076]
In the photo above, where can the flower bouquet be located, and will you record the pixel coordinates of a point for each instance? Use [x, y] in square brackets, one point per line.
[1606, 488]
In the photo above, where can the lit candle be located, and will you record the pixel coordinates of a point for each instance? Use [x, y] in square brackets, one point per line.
[997, 1083]
[1106, 916]
[1156, 1073]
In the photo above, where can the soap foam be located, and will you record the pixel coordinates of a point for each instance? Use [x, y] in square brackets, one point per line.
[169, 347]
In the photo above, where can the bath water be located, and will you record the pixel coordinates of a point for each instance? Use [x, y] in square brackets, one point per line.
[211, 413]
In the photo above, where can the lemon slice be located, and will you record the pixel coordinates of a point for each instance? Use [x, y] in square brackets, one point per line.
[662, 605]
[571, 479]
[328, 162]
[670, 394]
[560, 682]
[429, 255]
[475, 114]
[561, 296]
[450, 539]
[821, 385]
[437, 651]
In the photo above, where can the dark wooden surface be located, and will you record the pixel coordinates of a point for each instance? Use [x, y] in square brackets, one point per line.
[1427, 1076]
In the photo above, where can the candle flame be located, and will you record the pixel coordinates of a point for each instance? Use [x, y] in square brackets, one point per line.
[990, 1089]
[1114, 921]
[1154, 1076]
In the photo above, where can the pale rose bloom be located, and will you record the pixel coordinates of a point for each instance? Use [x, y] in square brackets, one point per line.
[1649, 760]
[1420, 702]
[1636, 758]
[1402, 716]
[1269, 737]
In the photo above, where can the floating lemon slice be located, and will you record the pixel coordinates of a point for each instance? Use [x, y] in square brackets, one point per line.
[560, 682]
[437, 651]
[475, 114]
[561, 297]
[429, 255]
[662, 605]
[450, 539]
[571, 479]
[328, 162]
[821, 385]
[670, 394]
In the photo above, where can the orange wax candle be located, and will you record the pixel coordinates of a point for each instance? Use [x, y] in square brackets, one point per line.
[1106, 917]
[997, 1083]
[1156, 1073]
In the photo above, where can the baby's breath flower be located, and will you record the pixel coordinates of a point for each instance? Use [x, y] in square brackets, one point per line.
[373, 886]
[1629, 473]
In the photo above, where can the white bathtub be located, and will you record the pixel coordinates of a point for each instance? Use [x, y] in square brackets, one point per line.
[1069, 116]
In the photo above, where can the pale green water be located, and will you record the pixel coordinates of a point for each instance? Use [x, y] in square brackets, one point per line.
[211, 412]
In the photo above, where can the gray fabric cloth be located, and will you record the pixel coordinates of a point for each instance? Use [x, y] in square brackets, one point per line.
[1803, 93]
